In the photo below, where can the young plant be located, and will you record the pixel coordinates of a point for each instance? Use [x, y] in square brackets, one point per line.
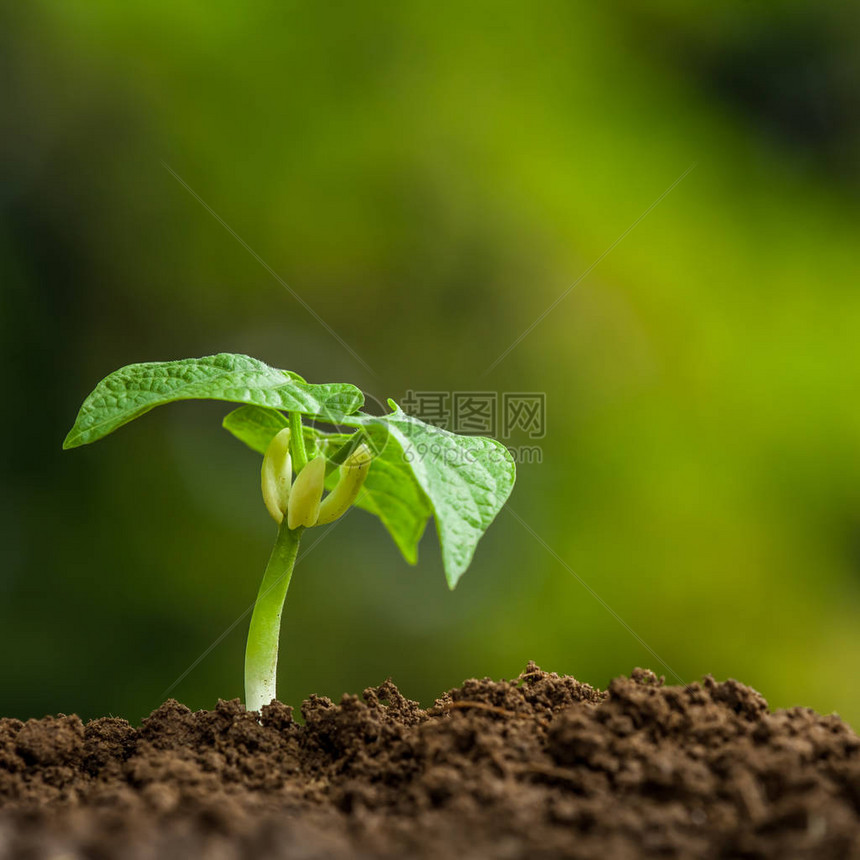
[393, 466]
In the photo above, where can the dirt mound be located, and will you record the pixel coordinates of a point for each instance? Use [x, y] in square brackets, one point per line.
[538, 767]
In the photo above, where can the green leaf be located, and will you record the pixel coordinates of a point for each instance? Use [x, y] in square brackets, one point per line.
[390, 490]
[256, 426]
[132, 391]
[465, 479]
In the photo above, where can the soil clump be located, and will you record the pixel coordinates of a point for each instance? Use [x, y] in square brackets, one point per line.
[537, 767]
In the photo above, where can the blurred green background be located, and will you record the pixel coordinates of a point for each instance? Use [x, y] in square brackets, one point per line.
[429, 178]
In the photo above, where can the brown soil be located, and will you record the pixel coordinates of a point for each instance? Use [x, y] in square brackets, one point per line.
[538, 767]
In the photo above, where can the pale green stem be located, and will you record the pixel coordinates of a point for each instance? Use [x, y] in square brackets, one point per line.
[300, 457]
[261, 651]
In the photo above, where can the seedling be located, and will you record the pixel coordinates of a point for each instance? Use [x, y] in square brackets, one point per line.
[393, 466]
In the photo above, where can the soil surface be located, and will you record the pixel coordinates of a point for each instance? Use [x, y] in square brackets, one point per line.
[537, 767]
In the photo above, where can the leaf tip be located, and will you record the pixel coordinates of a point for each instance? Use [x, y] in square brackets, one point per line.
[452, 580]
[454, 569]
